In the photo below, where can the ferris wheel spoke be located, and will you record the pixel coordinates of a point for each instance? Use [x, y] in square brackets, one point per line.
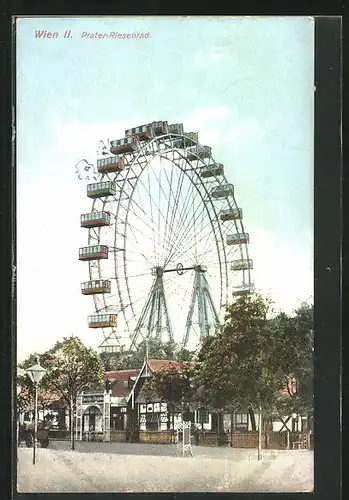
[187, 232]
[169, 237]
[187, 249]
[183, 216]
[152, 202]
[151, 213]
[167, 213]
[151, 228]
[161, 190]
[175, 205]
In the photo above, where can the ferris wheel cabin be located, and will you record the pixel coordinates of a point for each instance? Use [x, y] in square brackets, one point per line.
[176, 128]
[101, 189]
[95, 286]
[242, 290]
[95, 252]
[125, 145]
[199, 153]
[241, 264]
[143, 133]
[212, 170]
[222, 191]
[110, 164]
[189, 139]
[95, 219]
[102, 320]
[238, 239]
[148, 131]
[231, 214]
[111, 349]
[160, 128]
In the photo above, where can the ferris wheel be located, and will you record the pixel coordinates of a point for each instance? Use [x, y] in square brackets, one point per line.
[167, 249]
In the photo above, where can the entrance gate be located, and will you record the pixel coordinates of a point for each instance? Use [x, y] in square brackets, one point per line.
[184, 438]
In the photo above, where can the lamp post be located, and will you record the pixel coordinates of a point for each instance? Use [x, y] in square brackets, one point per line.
[35, 373]
[294, 422]
[19, 388]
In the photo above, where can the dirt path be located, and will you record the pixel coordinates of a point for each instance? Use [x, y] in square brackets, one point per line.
[66, 471]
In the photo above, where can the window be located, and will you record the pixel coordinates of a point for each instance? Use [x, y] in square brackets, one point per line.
[202, 416]
[241, 419]
[152, 421]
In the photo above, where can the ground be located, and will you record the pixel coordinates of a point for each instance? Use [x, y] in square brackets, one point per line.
[125, 467]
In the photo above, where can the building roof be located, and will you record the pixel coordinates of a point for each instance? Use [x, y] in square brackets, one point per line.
[121, 382]
[158, 365]
[153, 366]
[121, 374]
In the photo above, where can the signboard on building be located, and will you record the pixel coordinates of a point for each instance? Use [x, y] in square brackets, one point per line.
[88, 399]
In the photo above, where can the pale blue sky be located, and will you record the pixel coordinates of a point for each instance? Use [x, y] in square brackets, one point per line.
[246, 86]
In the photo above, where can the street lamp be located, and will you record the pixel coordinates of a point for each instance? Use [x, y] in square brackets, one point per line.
[19, 388]
[35, 373]
[295, 421]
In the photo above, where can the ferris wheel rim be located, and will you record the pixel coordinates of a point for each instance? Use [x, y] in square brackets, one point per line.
[133, 160]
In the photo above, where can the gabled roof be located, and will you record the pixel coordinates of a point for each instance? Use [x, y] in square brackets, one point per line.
[120, 382]
[121, 374]
[158, 365]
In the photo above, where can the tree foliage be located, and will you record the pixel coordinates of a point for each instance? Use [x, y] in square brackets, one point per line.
[253, 357]
[135, 359]
[293, 356]
[174, 385]
[46, 396]
[71, 367]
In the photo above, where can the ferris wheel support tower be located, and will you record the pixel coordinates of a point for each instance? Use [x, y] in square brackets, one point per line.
[154, 312]
[201, 297]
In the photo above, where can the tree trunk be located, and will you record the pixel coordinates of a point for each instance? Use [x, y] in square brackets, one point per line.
[252, 417]
[72, 421]
[218, 429]
[260, 433]
[73, 431]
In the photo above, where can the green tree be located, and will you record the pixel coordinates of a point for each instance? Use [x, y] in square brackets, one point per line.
[293, 356]
[174, 385]
[25, 400]
[134, 359]
[235, 368]
[71, 368]
[254, 356]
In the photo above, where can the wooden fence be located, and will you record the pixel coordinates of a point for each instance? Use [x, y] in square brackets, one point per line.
[119, 436]
[272, 440]
[157, 437]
